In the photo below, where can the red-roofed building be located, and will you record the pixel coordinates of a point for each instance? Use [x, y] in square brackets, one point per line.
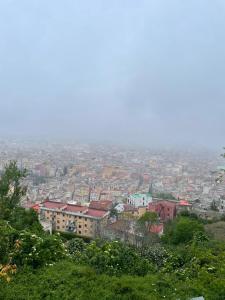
[96, 213]
[166, 210]
[183, 205]
[77, 219]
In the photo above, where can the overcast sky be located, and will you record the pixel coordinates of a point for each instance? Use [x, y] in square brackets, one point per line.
[128, 71]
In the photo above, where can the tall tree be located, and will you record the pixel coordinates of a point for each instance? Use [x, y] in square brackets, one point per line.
[11, 189]
[147, 220]
[144, 225]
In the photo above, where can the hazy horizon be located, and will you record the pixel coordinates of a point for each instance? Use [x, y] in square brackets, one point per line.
[127, 72]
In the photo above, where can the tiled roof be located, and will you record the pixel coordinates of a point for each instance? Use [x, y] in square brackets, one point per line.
[75, 208]
[95, 213]
[184, 203]
[53, 204]
[85, 211]
[102, 205]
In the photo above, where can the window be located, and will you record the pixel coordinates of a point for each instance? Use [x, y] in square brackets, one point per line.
[57, 227]
[80, 226]
[85, 225]
[63, 220]
[79, 232]
[58, 221]
[79, 217]
[85, 219]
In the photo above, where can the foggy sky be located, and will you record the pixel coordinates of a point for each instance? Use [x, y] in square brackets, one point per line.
[127, 71]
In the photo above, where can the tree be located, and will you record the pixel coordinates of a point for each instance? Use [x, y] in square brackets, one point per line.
[22, 219]
[147, 220]
[182, 230]
[8, 236]
[115, 258]
[113, 212]
[11, 190]
[143, 228]
[36, 251]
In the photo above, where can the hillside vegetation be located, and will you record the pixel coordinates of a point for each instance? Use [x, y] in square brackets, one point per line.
[186, 263]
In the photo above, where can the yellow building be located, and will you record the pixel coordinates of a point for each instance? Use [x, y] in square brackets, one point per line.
[77, 219]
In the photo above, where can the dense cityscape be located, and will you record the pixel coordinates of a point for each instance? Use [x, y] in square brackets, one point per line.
[122, 211]
[126, 179]
[80, 173]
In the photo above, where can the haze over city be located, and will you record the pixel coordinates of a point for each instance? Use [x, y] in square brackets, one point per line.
[134, 72]
[112, 170]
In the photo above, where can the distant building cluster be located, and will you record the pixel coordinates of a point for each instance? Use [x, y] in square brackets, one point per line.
[93, 181]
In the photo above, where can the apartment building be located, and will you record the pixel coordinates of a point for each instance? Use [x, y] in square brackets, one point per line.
[166, 210]
[82, 220]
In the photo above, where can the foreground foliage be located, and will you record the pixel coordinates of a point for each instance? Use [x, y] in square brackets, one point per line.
[66, 280]
[34, 265]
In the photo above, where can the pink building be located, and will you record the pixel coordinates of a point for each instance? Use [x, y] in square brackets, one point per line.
[166, 210]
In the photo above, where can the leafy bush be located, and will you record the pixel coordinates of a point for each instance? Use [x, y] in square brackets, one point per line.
[156, 254]
[112, 258]
[36, 251]
[7, 238]
[76, 245]
[182, 230]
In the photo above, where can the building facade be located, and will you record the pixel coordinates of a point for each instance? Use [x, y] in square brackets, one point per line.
[138, 200]
[81, 220]
[165, 210]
